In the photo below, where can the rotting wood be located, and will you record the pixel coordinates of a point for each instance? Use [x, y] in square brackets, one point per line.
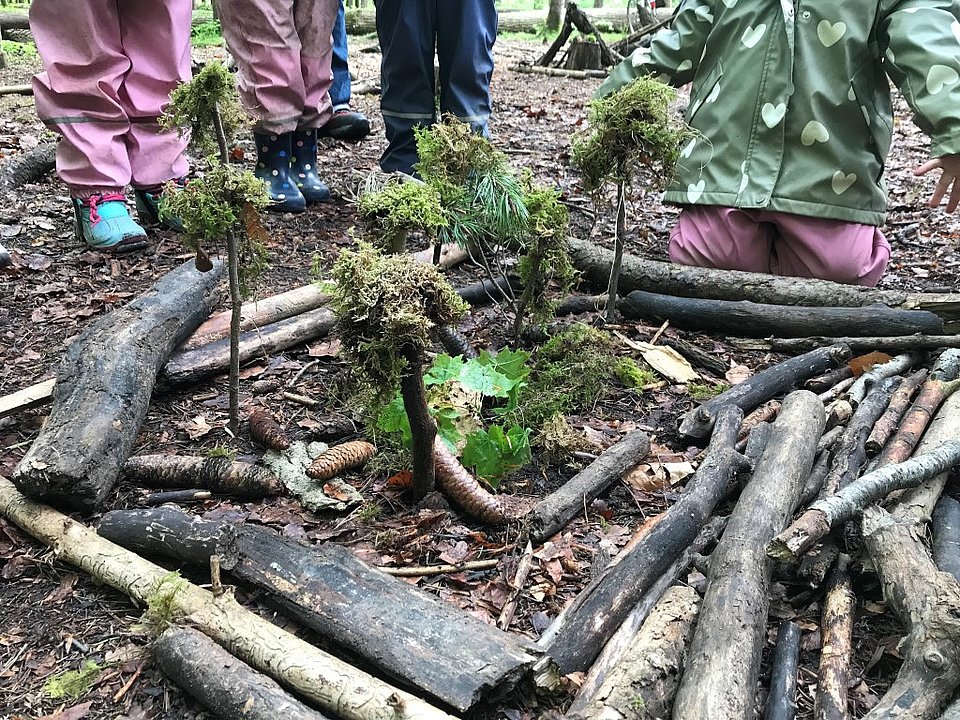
[723, 664]
[408, 634]
[782, 697]
[216, 474]
[578, 634]
[177, 496]
[775, 380]
[765, 413]
[945, 526]
[645, 680]
[839, 413]
[698, 357]
[103, 389]
[207, 360]
[899, 402]
[524, 566]
[227, 686]
[317, 676]
[823, 383]
[857, 344]
[750, 319]
[836, 629]
[28, 167]
[551, 514]
[617, 645]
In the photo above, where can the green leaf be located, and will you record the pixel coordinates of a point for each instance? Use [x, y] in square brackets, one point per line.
[393, 419]
[485, 380]
[493, 453]
[511, 363]
[444, 368]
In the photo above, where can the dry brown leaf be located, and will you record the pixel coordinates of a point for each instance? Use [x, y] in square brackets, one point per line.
[863, 363]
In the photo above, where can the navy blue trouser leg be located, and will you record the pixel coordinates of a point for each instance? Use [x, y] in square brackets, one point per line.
[340, 89]
[407, 32]
[466, 31]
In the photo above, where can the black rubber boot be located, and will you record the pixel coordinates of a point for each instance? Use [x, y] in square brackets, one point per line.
[303, 167]
[273, 167]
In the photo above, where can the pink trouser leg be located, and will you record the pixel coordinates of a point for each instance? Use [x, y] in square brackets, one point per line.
[283, 49]
[720, 237]
[156, 38]
[78, 94]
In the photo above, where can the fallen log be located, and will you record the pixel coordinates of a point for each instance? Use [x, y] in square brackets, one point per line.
[16, 89]
[206, 360]
[836, 648]
[29, 166]
[828, 512]
[228, 687]
[551, 514]
[559, 72]
[216, 474]
[723, 664]
[946, 535]
[317, 676]
[644, 682]
[407, 634]
[825, 382]
[618, 644]
[782, 698]
[686, 281]
[103, 389]
[698, 357]
[177, 497]
[857, 344]
[488, 291]
[578, 634]
[14, 21]
[899, 402]
[750, 319]
[757, 389]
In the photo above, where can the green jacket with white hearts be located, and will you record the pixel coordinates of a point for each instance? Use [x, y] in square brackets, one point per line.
[792, 102]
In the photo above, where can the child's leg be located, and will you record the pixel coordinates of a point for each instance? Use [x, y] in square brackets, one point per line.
[263, 39]
[828, 249]
[720, 237]
[314, 20]
[80, 45]
[156, 38]
[466, 31]
[340, 89]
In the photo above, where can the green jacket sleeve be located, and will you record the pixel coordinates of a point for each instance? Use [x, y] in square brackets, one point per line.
[674, 53]
[922, 57]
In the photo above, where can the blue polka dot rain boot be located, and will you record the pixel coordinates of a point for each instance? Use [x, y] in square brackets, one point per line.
[104, 223]
[303, 166]
[273, 167]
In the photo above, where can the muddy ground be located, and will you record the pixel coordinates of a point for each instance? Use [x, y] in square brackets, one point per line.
[53, 618]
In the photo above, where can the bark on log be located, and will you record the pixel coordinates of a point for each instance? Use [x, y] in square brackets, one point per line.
[827, 514]
[750, 319]
[317, 676]
[895, 366]
[207, 360]
[723, 665]
[687, 281]
[759, 388]
[583, 55]
[613, 651]
[839, 608]
[782, 698]
[217, 474]
[487, 291]
[103, 389]
[579, 633]
[697, 357]
[824, 382]
[551, 514]
[643, 684]
[14, 21]
[946, 535]
[29, 166]
[228, 687]
[258, 313]
[899, 402]
[860, 344]
[408, 634]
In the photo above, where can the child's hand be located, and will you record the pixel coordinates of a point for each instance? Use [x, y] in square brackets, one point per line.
[950, 164]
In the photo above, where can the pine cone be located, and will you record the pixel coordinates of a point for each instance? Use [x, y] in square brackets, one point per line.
[266, 431]
[334, 461]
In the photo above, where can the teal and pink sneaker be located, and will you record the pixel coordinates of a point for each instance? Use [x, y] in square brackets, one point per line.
[104, 223]
[148, 202]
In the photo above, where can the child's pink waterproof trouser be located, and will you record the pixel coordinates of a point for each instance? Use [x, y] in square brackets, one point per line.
[779, 243]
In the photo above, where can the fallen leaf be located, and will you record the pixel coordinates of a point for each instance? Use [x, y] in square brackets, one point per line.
[74, 713]
[737, 374]
[63, 590]
[197, 428]
[39, 262]
[327, 348]
[402, 479]
[338, 490]
[863, 363]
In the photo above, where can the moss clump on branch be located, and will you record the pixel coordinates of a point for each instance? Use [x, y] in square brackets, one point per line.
[397, 209]
[632, 375]
[387, 303]
[73, 683]
[161, 601]
[629, 128]
[192, 107]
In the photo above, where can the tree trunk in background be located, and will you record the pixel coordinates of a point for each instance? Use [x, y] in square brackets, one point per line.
[554, 14]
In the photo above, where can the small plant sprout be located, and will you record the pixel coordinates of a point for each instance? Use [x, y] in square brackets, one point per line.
[225, 202]
[628, 129]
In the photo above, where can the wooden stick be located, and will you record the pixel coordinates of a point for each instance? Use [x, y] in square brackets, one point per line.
[839, 607]
[519, 580]
[177, 496]
[28, 398]
[861, 344]
[946, 535]
[895, 366]
[16, 89]
[899, 402]
[723, 665]
[428, 570]
[559, 72]
[316, 675]
[782, 698]
[823, 383]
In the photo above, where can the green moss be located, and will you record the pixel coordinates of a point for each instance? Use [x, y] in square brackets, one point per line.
[161, 601]
[73, 683]
[400, 207]
[632, 375]
[705, 391]
[386, 303]
[194, 105]
[222, 452]
[450, 151]
[557, 440]
[628, 128]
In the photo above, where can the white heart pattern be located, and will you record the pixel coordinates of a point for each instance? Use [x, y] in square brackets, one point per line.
[773, 114]
[851, 94]
[685, 65]
[730, 3]
[830, 33]
[714, 94]
[688, 149]
[744, 181]
[841, 182]
[955, 27]
[695, 191]
[940, 77]
[703, 13]
[752, 35]
[813, 132]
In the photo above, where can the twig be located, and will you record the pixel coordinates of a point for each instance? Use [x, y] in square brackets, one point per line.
[519, 579]
[428, 570]
[118, 696]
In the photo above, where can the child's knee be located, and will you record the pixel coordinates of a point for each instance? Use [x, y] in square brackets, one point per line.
[862, 261]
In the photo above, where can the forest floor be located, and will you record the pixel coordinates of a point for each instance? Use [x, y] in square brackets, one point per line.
[53, 618]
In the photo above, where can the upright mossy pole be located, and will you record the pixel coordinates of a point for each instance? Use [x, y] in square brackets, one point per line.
[629, 128]
[223, 199]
